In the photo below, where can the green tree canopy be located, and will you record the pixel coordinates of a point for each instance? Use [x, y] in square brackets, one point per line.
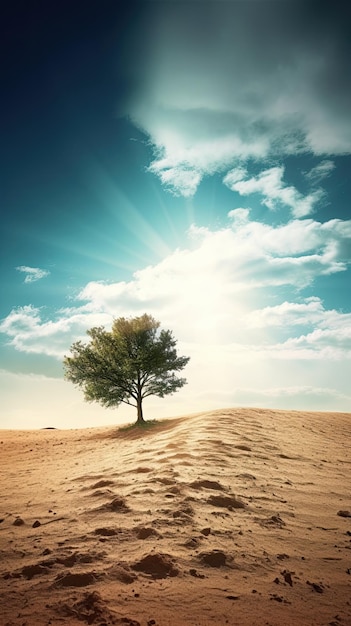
[127, 364]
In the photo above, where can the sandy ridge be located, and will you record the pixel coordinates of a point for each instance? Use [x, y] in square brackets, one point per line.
[235, 516]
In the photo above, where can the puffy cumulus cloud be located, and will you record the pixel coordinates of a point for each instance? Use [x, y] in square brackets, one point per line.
[332, 342]
[328, 331]
[310, 311]
[217, 291]
[32, 273]
[28, 332]
[202, 289]
[275, 192]
[304, 240]
[222, 82]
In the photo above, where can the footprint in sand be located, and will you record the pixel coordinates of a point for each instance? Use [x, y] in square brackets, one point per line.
[100, 493]
[75, 580]
[34, 570]
[165, 480]
[117, 505]
[193, 542]
[275, 521]
[105, 532]
[185, 512]
[102, 483]
[78, 557]
[207, 484]
[228, 502]
[92, 609]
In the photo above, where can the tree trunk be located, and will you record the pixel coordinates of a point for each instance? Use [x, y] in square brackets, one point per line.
[140, 419]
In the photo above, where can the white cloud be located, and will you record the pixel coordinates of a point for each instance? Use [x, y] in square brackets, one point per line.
[270, 184]
[217, 291]
[242, 80]
[310, 311]
[182, 167]
[32, 273]
[331, 343]
[179, 180]
[28, 332]
[321, 171]
[236, 175]
[327, 332]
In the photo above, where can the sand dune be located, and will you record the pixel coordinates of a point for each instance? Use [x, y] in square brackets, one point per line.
[237, 516]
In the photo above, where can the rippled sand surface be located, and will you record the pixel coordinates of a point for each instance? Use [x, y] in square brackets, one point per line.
[235, 516]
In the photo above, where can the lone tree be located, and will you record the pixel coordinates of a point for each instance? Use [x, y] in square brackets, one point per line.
[133, 361]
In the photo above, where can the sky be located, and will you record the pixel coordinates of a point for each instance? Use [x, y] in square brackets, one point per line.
[186, 159]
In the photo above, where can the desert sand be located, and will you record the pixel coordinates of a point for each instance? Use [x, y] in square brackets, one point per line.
[235, 516]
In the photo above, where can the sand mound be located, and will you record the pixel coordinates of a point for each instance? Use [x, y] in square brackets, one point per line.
[145, 533]
[215, 558]
[157, 565]
[121, 573]
[236, 516]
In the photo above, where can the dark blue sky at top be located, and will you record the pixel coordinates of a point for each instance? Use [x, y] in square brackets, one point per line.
[65, 145]
[62, 78]
[64, 82]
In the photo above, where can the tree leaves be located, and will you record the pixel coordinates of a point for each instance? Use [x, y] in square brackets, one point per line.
[131, 362]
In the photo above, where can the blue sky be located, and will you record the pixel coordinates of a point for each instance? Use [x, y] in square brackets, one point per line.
[186, 159]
